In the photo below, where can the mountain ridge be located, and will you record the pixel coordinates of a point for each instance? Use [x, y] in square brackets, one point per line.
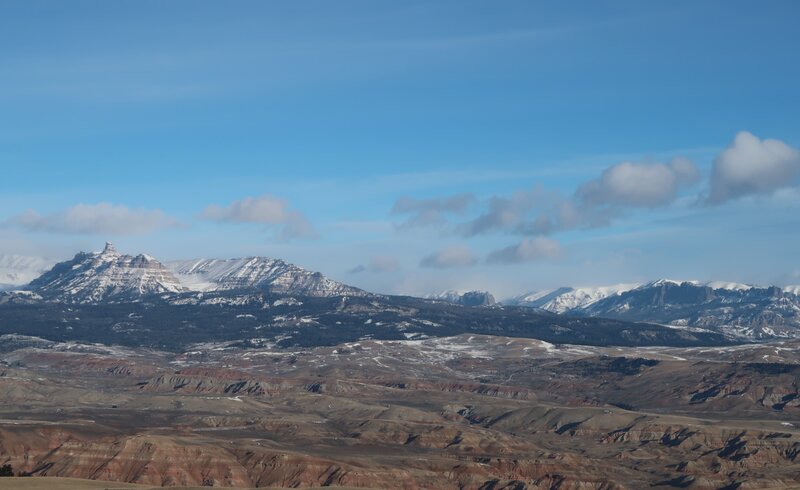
[464, 298]
[744, 311]
[257, 272]
[93, 277]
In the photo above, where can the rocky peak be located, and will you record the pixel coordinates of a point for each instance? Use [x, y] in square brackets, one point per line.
[109, 250]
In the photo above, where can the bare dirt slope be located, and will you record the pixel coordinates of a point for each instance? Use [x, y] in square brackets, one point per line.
[59, 483]
[462, 412]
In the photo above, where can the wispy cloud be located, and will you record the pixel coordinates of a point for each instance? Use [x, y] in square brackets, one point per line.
[471, 40]
[101, 218]
[132, 76]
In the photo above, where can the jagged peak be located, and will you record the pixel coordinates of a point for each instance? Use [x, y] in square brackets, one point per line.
[109, 249]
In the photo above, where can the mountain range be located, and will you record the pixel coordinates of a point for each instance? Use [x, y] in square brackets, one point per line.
[566, 299]
[108, 276]
[120, 299]
[740, 310]
[735, 310]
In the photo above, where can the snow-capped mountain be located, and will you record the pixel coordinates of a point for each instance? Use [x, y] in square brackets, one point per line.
[257, 273]
[745, 311]
[111, 276]
[18, 270]
[105, 276]
[467, 298]
[567, 299]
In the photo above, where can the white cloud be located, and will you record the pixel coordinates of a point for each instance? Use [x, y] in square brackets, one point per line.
[268, 210]
[642, 185]
[456, 256]
[751, 166]
[101, 218]
[527, 250]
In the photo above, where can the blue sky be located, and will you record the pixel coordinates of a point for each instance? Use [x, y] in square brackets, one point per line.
[364, 139]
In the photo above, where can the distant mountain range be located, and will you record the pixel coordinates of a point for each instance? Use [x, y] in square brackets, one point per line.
[735, 310]
[740, 310]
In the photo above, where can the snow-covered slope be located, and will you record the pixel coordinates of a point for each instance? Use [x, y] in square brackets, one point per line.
[257, 272]
[18, 270]
[566, 299]
[728, 286]
[105, 276]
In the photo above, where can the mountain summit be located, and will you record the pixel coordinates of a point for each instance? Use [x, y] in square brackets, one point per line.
[110, 249]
